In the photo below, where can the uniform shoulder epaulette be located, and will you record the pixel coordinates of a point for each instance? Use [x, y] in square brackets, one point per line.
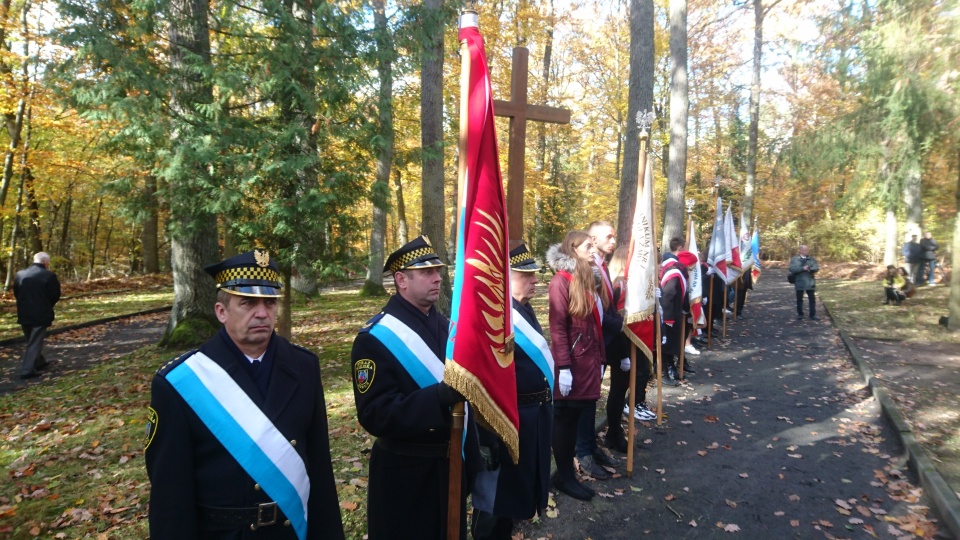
[369, 324]
[304, 349]
[164, 369]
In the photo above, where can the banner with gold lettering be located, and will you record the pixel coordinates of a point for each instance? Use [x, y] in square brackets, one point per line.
[641, 273]
[480, 351]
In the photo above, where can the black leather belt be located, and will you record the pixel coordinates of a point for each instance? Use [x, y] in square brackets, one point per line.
[440, 450]
[262, 515]
[542, 396]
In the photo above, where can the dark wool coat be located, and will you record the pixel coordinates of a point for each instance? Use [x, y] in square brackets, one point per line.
[37, 290]
[576, 344]
[407, 493]
[188, 466]
[519, 491]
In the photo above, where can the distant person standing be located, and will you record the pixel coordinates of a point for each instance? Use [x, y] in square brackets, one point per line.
[913, 255]
[37, 289]
[929, 261]
[803, 267]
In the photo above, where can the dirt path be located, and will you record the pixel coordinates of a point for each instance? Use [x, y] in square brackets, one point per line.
[774, 437]
[76, 350]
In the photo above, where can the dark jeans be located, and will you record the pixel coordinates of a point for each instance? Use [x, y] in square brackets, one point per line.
[33, 355]
[813, 303]
[930, 266]
[619, 387]
[894, 294]
[565, 419]
[587, 430]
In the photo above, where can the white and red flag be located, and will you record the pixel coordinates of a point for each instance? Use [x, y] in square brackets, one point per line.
[734, 266]
[641, 273]
[695, 289]
[480, 350]
[719, 251]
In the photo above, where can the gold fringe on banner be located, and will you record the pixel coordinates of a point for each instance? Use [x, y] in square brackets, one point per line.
[488, 413]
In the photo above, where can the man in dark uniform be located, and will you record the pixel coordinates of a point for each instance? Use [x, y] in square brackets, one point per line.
[398, 359]
[237, 444]
[508, 491]
[37, 289]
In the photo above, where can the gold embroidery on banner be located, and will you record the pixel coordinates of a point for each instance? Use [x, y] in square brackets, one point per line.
[495, 296]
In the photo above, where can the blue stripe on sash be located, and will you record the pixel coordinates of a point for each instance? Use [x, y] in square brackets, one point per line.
[244, 449]
[521, 329]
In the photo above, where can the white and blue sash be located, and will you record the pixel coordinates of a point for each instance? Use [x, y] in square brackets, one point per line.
[410, 350]
[247, 434]
[531, 342]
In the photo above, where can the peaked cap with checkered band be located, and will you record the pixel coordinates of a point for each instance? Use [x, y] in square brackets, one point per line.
[417, 253]
[252, 273]
[521, 260]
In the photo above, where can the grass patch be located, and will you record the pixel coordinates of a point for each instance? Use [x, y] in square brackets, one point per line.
[83, 309]
[857, 308]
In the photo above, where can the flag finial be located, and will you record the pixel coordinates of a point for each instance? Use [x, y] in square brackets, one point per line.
[645, 119]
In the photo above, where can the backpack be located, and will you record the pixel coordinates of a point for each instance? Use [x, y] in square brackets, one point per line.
[791, 278]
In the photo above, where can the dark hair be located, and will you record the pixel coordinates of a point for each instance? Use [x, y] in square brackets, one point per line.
[676, 243]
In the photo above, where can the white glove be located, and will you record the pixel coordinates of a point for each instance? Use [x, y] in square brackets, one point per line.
[625, 364]
[658, 292]
[566, 382]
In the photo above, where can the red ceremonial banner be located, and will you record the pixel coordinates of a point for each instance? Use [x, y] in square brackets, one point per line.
[480, 351]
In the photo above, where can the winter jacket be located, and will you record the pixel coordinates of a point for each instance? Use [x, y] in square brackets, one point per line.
[805, 279]
[37, 290]
[929, 247]
[576, 344]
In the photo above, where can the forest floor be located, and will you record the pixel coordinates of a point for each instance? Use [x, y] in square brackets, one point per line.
[775, 435]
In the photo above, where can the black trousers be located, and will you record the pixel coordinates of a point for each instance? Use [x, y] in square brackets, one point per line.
[619, 388]
[566, 417]
[894, 294]
[33, 355]
[813, 302]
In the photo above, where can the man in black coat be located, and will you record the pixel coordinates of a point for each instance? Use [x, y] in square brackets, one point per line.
[506, 491]
[398, 358]
[37, 289]
[237, 444]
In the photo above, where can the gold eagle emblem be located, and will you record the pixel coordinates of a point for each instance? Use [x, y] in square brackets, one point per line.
[262, 257]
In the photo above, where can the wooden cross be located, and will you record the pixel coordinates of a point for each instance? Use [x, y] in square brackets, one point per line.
[519, 111]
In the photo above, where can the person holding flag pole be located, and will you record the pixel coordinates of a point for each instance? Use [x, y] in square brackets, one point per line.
[480, 348]
[640, 303]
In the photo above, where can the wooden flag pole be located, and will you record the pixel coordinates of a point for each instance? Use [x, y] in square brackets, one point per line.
[631, 427]
[710, 310]
[724, 300]
[456, 425]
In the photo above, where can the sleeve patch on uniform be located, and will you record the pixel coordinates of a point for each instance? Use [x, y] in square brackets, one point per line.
[363, 372]
[151, 426]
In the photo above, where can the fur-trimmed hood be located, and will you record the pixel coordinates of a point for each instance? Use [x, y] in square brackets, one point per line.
[560, 261]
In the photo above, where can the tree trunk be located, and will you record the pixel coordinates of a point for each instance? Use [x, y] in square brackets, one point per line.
[11, 260]
[753, 130]
[401, 210]
[148, 233]
[193, 243]
[380, 192]
[285, 307]
[431, 138]
[65, 228]
[639, 98]
[93, 239]
[911, 196]
[891, 244]
[954, 300]
[679, 109]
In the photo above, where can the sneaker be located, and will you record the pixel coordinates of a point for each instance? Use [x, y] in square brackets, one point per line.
[690, 349]
[644, 414]
[641, 412]
[799, 317]
[590, 468]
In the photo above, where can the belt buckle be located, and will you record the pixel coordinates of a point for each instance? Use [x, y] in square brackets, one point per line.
[261, 522]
